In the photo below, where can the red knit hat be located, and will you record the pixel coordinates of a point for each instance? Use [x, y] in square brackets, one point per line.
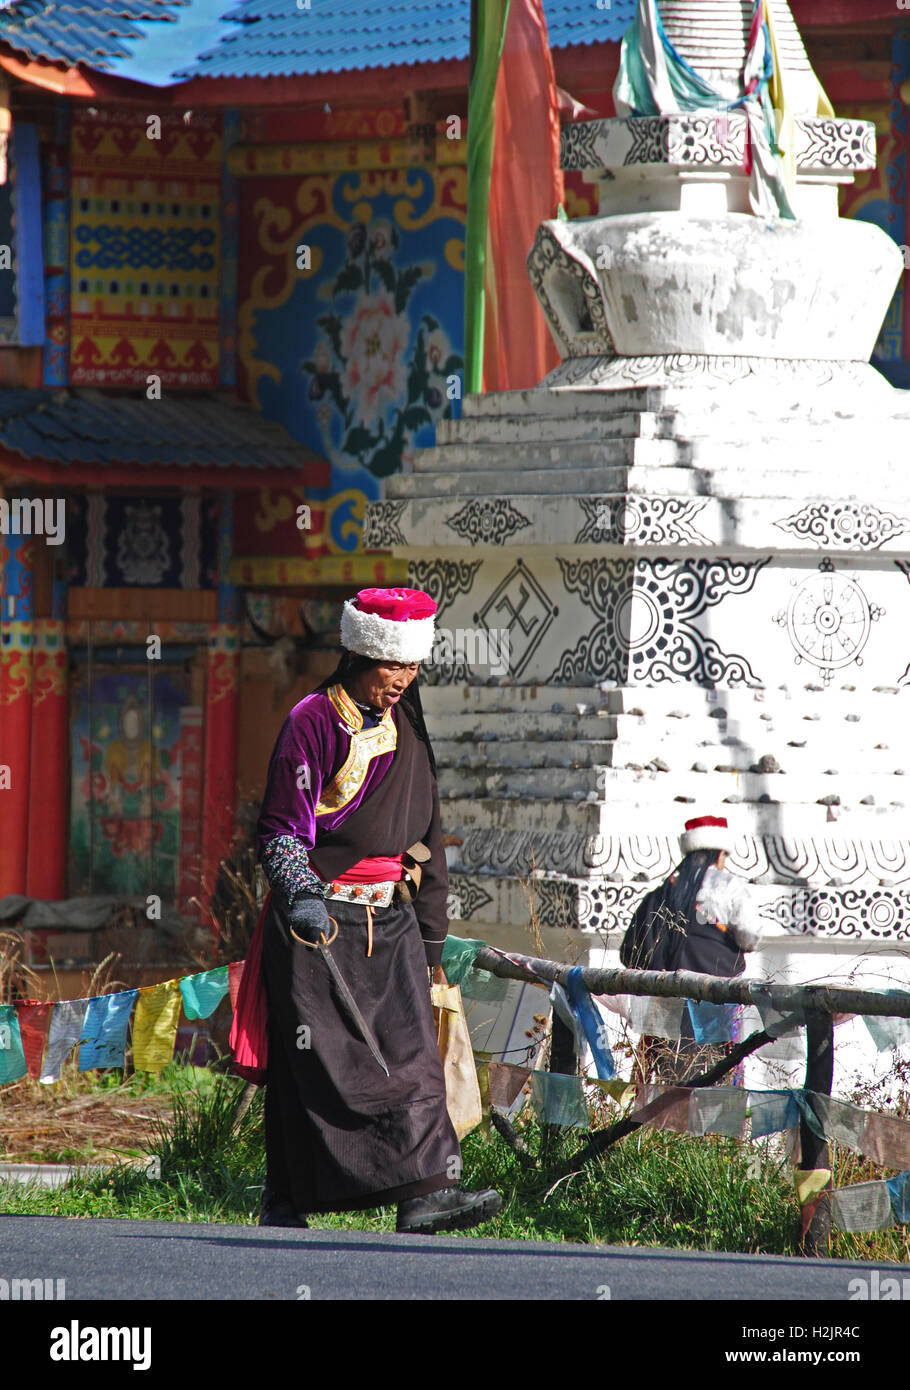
[706, 832]
[389, 624]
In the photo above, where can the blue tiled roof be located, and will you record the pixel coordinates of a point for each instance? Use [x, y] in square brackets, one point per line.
[272, 38]
[214, 431]
[78, 31]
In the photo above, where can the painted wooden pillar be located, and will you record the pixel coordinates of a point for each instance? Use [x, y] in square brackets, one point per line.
[16, 638]
[47, 820]
[221, 713]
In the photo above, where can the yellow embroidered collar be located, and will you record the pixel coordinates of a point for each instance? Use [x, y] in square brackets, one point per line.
[350, 712]
[366, 744]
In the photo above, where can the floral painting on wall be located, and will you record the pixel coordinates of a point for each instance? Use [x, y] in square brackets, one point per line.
[351, 319]
[385, 381]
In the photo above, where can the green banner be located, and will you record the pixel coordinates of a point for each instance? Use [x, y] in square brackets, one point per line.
[492, 16]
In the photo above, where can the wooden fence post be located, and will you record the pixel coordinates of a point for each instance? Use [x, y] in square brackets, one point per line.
[814, 1151]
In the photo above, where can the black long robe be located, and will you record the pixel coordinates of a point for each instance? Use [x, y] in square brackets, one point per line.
[339, 1133]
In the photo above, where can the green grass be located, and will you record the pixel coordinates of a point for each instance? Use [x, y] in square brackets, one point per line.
[653, 1188]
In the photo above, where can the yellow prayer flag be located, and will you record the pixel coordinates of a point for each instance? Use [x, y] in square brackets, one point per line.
[446, 997]
[809, 1182]
[617, 1088]
[483, 1081]
[780, 90]
[155, 1025]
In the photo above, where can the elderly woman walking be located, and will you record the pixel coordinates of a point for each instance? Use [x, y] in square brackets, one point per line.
[349, 836]
[701, 918]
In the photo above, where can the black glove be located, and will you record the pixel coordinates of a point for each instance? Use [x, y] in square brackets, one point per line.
[308, 918]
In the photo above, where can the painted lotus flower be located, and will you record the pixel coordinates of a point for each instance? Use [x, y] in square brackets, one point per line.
[379, 372]
[374, 342]
[382, 239]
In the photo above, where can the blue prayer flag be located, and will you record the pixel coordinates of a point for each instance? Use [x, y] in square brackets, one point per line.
[559, 1100]
[594, 1027]
[712, 1023]
[104, 1028]
[772, 1112]
[808, 1114]
[203, 993]
[899, 1192]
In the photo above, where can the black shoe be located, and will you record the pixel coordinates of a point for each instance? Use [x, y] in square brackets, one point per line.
[449, 1209]
[279, 1211]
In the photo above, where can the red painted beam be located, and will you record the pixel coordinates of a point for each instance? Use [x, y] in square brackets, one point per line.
[64, 476]
[829, 14]
[368, 84]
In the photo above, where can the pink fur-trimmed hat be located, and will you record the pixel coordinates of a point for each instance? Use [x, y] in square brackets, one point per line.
[389, 624]
[706, 832]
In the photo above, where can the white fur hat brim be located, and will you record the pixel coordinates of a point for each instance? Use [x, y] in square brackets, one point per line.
[706, 837]
[385, 639]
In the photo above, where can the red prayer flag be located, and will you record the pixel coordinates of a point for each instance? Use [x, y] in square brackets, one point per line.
[526, 188]
[34, 1021]
[235, 975]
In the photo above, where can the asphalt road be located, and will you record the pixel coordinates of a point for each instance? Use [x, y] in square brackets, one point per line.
[102, 1259]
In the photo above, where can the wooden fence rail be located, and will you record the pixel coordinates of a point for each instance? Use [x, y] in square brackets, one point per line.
[817, 1003]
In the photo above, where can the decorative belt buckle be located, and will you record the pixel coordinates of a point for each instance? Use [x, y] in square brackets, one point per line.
[367, 894]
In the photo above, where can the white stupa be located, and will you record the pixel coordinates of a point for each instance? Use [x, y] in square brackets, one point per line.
[696, 532]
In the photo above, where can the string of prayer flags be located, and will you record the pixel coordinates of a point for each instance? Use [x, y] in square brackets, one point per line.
[155, 1025]
[34, 1020]
[592, 1024]
[63, 1035]
[886, 1032]
[235, 975]
[656, 1018]
[899, 1192]
[12, 1057]
[865, 1206]
[204, 992]
[712, 1023]
[104, 1027]
[772, 1111]
[559, 1100]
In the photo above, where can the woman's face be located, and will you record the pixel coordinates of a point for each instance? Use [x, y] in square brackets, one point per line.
[382, 686]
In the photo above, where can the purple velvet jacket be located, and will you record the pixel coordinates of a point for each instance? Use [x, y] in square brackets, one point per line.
[338, 792]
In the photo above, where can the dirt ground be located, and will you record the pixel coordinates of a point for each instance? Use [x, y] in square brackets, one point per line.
[68, 1122]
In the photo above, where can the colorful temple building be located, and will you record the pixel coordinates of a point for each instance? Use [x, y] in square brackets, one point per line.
[231, 307]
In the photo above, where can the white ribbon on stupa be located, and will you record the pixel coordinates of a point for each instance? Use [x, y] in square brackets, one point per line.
[673, 86]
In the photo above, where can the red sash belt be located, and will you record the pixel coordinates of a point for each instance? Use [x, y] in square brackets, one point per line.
[381, 869]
